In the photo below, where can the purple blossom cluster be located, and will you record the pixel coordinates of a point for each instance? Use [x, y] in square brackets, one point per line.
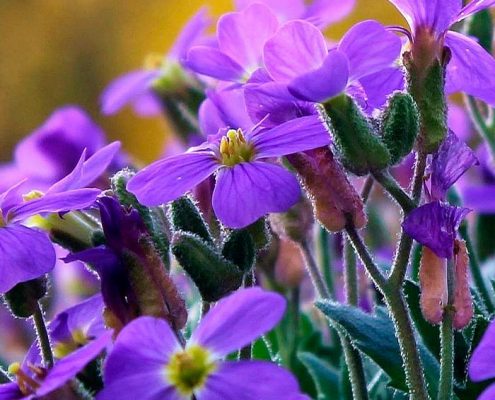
[200, 270]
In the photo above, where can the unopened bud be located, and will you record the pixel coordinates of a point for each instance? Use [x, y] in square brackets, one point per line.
[400, 126]
[186, 217]
[359, 148]
[214, 276]
[239, 248]
[433, 283]
[295, 224]
[333, 196]
[261, 234]
[22, 299]
[290, 267]
[463, 302]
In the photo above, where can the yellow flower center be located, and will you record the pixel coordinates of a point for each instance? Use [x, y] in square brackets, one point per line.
[27, 385]
[32, 195]
[234, 149]
[188, 369]
[62, 349]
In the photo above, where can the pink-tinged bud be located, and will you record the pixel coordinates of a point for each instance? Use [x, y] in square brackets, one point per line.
[296, 224]
[290, 267]
[333, 196]
[463, 303]
[433, 282]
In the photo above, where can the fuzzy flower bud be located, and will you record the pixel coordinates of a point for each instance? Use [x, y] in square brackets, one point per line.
[463, 302]
[433, 282]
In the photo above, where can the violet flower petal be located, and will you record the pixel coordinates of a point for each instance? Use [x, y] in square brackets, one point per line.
[481, 366]
[248, 191]
[369, 47]
[474, 7]
[127, 89]
[379, 86]
[284, 9]
[434, 225]
[298, 47]
[68, 367]
[293, 136]
[480, 198]
[231, 108]
[247, 380]
[190, 34]
[471, 68]
[212, 62]
[449, 163]
[10, 391]
[322, 13]
[25, 254]
[242, 35]
[488, 394]
[325, 82]
[238, 320]
[168, 179]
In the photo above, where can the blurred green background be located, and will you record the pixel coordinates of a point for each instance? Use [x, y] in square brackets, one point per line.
[56, 52]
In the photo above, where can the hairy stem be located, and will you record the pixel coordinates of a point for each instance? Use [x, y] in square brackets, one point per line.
[394, 189]
[314, 272]
[43, 338]
[325, 258]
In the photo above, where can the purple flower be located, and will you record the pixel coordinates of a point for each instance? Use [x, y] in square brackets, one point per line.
[147, 350]
[481, 366]
[471, 68]
[135, 88]
[52, 151]
[241, 37]
[435, 224]
[249, 184]
[27, 253]
[321, 13]
[297, 55]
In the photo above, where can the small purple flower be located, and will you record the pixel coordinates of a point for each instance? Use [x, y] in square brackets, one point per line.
[471, 68]
[135, 88]
[435, 224]
[147, 350]
[27, 253]
[321, 13]
[298, 56]
[241, 37]
[481, 366]
[249, 184]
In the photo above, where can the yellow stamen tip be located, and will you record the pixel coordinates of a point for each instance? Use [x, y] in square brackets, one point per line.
[14, 368]
[32, 195]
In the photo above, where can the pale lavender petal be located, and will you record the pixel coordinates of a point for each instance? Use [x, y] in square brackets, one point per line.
[238, 319]
[213, 62]
[126, 89]
[471, 68]
[210, 121]
[147, 105]
[379, 86]
[248, 191]
[242, 35]
[192, 32]
[68, 367]
[231, 108]
[473, 7]
[481, 365]
[140, 354]
[249, 380]
[449, 163]
[369, 48]
[435, 225]
[325, 82]
[25, 254]
[297, 48]
[325, 12]
[459, 122]
[168, 179]
[284, 9]
[480, 198]
[293, 136]
[55, 203]
[438, 15]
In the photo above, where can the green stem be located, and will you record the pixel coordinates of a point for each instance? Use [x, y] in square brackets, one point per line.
[351, 278]
[43, 338]
[314, 272]
[367, 189]
[294, 309]
[475, 269]
[4, 377]
[480, 122]
[419, 173]
[394, 189]
[246, 352]
[446, 385]
[325, 258]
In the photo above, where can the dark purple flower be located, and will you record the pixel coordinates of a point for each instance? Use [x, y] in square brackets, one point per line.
[248, 183]
[471, 69]
[321, 13]
[147, 350]
[241, 37]
[481, 366]
[27, 253]
[298, 56]
[135, 88]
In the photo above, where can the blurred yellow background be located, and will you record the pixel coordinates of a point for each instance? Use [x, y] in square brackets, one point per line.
[56, 52]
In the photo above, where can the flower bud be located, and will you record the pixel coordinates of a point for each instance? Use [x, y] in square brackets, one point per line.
[359, 148]
[214, 276]
[185, 216]
[400, 126]
[295, 224]
[239, 248]
[22, 299]
[333, 197]
[289, 267]
[261, 234]
[463, 302]
[433, 283]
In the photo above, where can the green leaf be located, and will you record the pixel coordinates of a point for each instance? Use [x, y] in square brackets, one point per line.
[374, 336]
[325, 376]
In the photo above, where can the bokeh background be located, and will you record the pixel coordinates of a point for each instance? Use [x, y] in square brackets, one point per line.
[57, 52]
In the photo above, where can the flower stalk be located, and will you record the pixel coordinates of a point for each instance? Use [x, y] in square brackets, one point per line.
[43, 337]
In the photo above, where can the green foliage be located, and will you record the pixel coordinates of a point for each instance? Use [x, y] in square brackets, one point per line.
[22, 299]
[239, 248]
[325, 376]
[480, 26]
[485, 236]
